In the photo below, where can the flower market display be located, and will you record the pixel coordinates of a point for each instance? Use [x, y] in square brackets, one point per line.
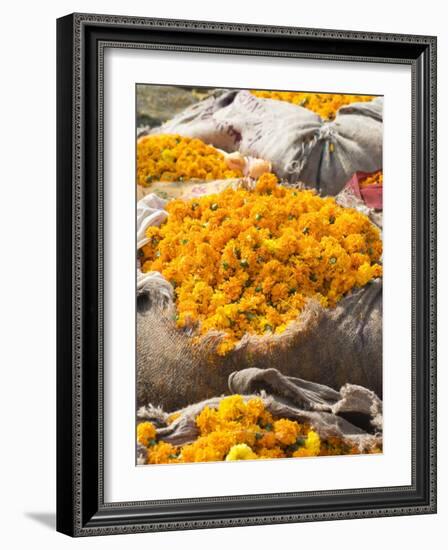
[259, 275]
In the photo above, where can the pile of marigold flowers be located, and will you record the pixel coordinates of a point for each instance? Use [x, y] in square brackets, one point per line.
[373, 179]
[246, 261]
[171, 157]
[242, 430]
[325, 105]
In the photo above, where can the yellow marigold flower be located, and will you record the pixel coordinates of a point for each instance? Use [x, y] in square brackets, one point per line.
[312, 442]
[366, 272]
[241, 452]
[146, 433]
[286, 431]
[266, 419]
[325, 105]
[232, 407]
[247, 261]
[207, 420]
[311, 446]
[208, 448]
[254, 409]
[162, 453]
[171, 157]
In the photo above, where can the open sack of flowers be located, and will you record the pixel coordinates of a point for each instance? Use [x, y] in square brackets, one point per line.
[300, 143]
[259, 275]
[267, 415]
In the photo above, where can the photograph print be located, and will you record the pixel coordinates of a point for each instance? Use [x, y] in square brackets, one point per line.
[258, 274]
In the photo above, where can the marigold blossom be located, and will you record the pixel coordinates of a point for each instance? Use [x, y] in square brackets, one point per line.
[162, 453]
[286, 431]
[241, 452]
[146, 433]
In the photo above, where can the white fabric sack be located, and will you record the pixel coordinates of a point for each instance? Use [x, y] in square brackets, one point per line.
[150, 211]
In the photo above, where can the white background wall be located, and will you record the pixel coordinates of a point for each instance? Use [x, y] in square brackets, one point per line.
[27, 273]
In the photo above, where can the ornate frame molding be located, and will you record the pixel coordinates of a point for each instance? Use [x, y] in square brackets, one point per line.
[82, 39]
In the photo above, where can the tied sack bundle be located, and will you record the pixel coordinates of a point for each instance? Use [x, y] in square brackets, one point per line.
[178, 365]
[299, 144]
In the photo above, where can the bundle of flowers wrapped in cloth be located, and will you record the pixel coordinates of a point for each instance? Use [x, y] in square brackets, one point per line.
[301, 420]
[247, 278]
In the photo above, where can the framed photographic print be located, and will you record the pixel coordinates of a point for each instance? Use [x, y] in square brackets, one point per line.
[246, 274]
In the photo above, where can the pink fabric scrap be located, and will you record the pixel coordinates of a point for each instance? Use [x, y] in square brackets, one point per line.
[372, 195]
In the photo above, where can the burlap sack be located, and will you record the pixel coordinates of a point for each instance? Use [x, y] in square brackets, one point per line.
[331, 347]
[327, 346]
[298, 143]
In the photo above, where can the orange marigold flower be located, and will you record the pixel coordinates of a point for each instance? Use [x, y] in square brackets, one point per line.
[162, 453]
[211, 447]
[207, 420]
[254, 409]
[286, 431]
[146, 433]
[267, 440]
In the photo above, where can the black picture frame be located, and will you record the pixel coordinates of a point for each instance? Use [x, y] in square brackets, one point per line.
[81, 39]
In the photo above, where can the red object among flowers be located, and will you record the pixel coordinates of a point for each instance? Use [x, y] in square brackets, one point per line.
[371, 194]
